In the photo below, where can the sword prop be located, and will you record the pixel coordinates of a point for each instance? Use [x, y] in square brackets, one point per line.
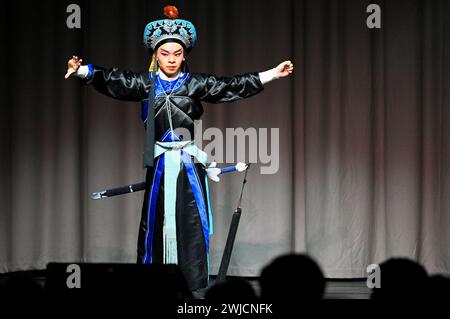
[225, 262]
[212, 172]
[119, 191]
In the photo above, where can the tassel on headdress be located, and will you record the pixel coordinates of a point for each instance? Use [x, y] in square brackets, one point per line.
[153, 64]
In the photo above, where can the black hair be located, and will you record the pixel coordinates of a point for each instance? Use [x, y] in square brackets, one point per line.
[171, 40]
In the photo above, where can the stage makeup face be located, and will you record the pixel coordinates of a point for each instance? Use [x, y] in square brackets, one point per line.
[170, 58]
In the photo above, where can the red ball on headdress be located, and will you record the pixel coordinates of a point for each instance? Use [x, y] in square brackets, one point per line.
[171, 12]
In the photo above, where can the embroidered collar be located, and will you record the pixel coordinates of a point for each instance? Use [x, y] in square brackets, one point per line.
[164, 87]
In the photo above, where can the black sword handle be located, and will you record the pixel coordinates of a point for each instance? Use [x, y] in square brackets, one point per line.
[119, 191]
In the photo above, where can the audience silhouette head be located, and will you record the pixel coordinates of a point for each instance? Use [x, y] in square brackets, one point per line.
[292, 276]
[401, 278]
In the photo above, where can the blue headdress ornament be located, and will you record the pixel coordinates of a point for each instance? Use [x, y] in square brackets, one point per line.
[172, 28]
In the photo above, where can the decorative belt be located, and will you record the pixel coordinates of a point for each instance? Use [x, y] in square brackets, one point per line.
[187, 146]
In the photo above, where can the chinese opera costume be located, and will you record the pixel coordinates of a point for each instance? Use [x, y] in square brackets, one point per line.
[176, 222]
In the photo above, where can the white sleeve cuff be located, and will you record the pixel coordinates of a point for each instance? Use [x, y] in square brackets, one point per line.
[268, 76]
[82, 71]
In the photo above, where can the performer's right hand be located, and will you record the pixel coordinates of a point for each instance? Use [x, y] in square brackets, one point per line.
[72, 66]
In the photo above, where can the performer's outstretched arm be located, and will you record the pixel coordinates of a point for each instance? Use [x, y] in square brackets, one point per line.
[212, 89]
[118, 84]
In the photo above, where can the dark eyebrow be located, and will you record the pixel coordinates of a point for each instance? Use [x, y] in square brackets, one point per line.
[165, 51]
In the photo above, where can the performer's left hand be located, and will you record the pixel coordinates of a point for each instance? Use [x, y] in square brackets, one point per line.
[284, 69]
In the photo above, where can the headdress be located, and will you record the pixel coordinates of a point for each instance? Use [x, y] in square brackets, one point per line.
[172, 28]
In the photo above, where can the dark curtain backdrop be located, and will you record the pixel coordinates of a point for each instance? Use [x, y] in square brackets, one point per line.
[364, 131]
